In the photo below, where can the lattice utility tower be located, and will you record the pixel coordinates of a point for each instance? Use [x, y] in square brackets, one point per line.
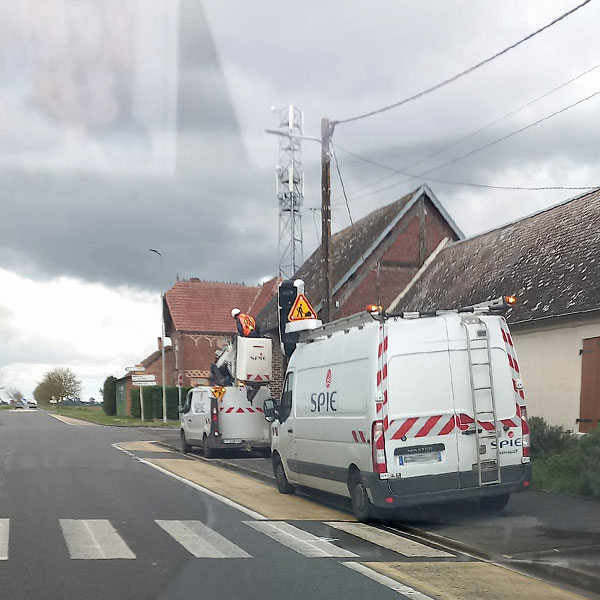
[290, 189]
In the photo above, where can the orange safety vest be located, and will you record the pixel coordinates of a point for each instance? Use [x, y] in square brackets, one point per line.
[248, 324]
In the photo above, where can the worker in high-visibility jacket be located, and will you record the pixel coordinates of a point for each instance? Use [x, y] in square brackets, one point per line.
[246, 325]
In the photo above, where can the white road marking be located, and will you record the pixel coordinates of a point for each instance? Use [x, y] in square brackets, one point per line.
[201, 541]
[223, 499]
[385, 539]
[390, 583]
[303, 542]
[4, 533]
[93, 539]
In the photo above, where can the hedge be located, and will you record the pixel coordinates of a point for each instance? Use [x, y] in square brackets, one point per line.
[109, 396]
[563, 462]
[153, 408]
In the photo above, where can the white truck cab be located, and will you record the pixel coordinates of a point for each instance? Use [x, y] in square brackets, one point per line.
[220, 417]
[404, 410]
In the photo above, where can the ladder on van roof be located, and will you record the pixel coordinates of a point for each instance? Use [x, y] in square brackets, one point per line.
[483, 399]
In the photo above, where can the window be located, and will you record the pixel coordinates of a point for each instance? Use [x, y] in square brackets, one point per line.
[187, 402]
[285, 407]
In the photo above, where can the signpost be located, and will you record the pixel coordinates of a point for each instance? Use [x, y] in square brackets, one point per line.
[179, 386]
[135, 379]
[141, 380]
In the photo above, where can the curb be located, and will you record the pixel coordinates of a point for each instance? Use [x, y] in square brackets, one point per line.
[231, 467]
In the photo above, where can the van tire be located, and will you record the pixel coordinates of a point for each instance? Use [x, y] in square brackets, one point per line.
[185, 447]
[494, 503]
[283, 485]
[362, 508]
[208, 451]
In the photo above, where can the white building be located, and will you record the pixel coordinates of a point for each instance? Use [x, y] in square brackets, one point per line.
[551, 262]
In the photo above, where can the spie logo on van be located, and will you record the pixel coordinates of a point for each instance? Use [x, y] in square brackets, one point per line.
[324, 401]
[261, 356]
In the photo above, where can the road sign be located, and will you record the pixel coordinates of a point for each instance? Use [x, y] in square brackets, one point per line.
[180, 380]
[143, 383]
[136, 368]
[140, 378]
[218, 392]
[301, 309]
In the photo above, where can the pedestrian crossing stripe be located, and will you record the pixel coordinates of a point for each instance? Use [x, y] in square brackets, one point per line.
[300, 541]
[4, 533]
[93, 539]
[201, 541]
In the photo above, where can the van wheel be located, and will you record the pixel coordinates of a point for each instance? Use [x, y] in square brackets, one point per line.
[362, 508]
[208, 451]
[283, 485]
[494, 503]
[185, 447]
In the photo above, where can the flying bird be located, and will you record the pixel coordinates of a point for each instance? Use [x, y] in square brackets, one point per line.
[156, 251]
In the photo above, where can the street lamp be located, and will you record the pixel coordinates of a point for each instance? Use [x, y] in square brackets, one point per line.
[162, 344]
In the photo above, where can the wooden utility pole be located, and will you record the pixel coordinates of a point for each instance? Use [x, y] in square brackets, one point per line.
[326, 130]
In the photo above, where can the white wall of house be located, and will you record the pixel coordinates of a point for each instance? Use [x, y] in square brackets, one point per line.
[550, 365]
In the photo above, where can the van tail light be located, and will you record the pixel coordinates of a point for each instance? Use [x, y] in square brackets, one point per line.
[378, 447]
[214, 416]
[526, 435]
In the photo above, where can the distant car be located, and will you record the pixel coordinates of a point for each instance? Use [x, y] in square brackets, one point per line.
[32, 403]
[20, 404]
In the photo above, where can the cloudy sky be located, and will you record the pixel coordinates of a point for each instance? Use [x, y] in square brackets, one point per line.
[133, 125]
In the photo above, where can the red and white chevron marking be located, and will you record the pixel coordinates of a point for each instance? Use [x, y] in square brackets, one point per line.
[240, 410]
[359, 437]
[414, 427]
[249, 377]
[382, 379]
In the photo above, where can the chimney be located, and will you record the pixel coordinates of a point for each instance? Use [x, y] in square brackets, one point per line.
[159, 344]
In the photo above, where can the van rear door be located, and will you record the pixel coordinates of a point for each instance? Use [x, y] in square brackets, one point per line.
[504, 392]
[241, 420]
[421, 437]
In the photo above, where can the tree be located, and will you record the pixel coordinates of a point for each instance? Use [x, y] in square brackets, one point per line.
[109, 395]
[60, 383]
[14, 395]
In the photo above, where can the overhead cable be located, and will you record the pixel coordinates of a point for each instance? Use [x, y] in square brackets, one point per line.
[462, 73]
[411, 176]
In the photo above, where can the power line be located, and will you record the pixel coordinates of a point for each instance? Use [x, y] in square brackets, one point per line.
[475, 132]
[462, 73]
[411, 176]
[337, 167]
[499, 119]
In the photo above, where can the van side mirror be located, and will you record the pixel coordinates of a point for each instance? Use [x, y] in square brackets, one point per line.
[270, 410]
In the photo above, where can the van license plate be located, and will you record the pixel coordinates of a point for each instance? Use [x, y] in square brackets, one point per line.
[236, 441]
[424, 457]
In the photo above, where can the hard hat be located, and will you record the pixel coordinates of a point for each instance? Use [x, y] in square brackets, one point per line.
[235, 311]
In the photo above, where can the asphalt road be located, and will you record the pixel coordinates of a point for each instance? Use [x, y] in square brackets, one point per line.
[82, 518]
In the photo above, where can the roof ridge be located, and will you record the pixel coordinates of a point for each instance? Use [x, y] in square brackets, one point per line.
[525, 217]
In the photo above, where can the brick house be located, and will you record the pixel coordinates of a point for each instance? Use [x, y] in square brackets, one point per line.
[551, 262]
[198, 321]
[153, 366]
[371, 261]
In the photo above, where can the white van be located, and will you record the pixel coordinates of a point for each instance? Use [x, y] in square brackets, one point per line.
[229, 422]
[384, 411]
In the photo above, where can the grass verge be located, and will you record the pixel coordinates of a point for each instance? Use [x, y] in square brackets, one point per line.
[96, 415]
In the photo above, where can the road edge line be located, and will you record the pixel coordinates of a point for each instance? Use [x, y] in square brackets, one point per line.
[392, 584]
[196, 486]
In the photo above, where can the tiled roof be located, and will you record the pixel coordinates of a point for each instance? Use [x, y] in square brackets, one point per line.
[197, 305]
[550, 261]
[348, 247]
